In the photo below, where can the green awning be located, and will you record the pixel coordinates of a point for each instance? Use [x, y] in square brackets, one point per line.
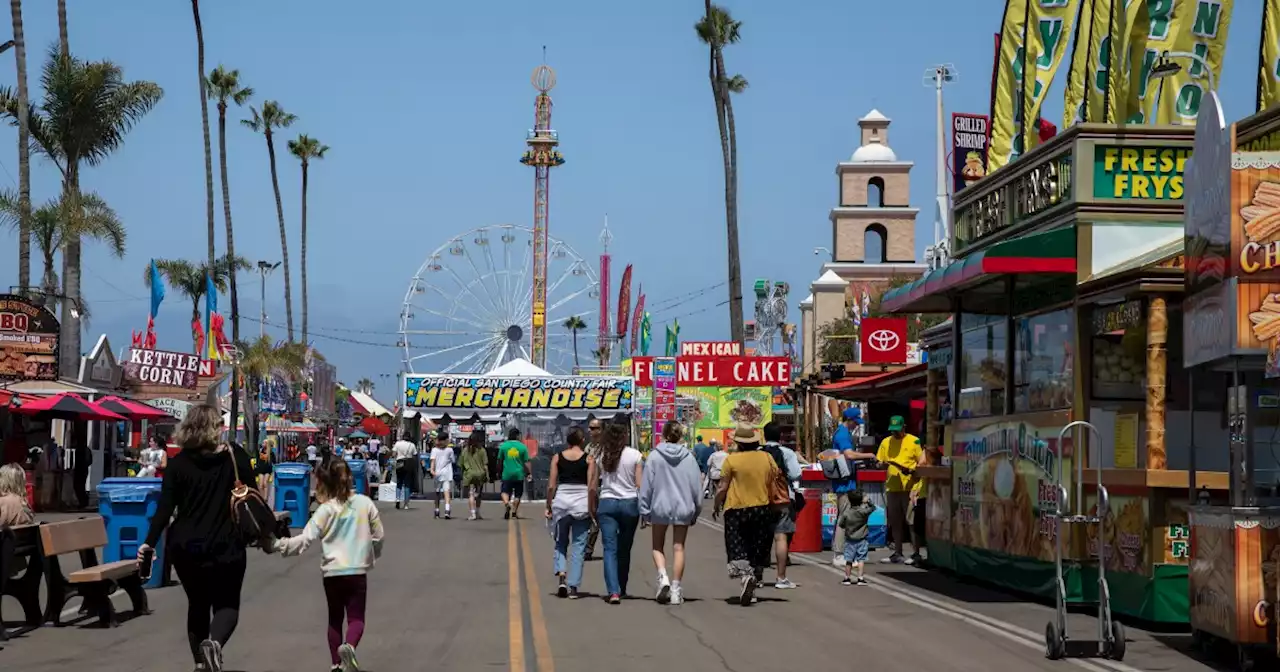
[1046, 252]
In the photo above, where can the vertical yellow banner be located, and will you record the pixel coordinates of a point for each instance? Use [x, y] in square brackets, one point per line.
[1077, 72]
[1005, 121]
[1202, 32]
[1128, 46]
[1090, 64]
[1269, 56]
[1166, 20]
[1050, 27]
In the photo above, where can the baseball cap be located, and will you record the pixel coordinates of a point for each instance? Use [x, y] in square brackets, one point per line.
[852, 413]
[896, 423]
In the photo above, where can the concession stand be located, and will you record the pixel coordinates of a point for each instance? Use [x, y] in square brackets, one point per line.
[1065, 302]
[1232, 317]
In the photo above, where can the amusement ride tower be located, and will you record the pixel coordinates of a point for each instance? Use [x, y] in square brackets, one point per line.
[604, 335]
[543, 156]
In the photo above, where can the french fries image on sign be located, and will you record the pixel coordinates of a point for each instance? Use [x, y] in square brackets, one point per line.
[1262, 216]
[1266, 320]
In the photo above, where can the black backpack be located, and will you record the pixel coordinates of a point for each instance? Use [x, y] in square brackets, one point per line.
[252, 517]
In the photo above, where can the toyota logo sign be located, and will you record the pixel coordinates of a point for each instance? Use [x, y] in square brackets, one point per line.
[884, 340]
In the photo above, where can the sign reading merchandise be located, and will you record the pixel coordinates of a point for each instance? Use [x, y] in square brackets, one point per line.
[449, 393]
[1143, 173]
[161, 367]
[28, 340]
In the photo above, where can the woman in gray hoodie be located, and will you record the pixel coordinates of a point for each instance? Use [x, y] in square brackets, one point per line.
[670, 496]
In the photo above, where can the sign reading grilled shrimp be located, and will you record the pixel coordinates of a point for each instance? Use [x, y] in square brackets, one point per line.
[513, 393]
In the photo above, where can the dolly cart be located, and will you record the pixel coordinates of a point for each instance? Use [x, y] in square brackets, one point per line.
[1110, 641]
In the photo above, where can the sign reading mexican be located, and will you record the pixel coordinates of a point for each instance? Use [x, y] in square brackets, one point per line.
[1131, 172]
[161, 367]
[720, 371]
[517, 393]
[28, 340]
[711, 348]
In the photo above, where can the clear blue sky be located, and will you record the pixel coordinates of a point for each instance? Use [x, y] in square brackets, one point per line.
[425, 106]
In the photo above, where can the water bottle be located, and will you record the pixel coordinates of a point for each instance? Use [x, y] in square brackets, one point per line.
[145, 562]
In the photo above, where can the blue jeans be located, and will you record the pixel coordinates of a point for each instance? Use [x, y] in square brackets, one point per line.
[618, 521]
[402, 493]
[571, 532]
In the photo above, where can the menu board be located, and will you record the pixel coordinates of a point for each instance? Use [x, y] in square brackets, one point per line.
[28, 340]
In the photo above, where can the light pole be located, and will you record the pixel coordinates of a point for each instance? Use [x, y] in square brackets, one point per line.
[264, 267]
[817, 251]
[936, 77]
[1164, 68]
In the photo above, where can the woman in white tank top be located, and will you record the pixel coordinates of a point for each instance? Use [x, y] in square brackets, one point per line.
[615, 506]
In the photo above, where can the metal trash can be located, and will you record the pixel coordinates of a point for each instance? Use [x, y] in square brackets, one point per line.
[127, 506]
[293, 492]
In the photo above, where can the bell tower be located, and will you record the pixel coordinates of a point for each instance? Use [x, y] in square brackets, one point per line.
[874, 222]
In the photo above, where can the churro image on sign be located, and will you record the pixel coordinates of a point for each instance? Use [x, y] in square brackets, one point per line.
[1262, 215]
[1266, 319]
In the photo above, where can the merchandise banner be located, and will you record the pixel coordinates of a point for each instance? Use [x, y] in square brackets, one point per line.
[161, 367]
[450, 394]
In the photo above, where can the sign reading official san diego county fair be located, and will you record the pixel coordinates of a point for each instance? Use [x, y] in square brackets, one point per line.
[460, 395]
[161, 367]
[28, 340]
[1133, 172]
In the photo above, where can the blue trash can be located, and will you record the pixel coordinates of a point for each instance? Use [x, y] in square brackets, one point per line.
[359, 476]
[293, 492]
[127, 506]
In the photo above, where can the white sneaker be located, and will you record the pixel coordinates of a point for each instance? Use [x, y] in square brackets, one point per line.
[785, 584]
[664, 589]
[677, 595]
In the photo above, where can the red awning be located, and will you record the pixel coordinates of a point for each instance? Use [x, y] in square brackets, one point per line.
[132, 409]
[6, 397]
[876, 382]
[357, 407]
[67, 406]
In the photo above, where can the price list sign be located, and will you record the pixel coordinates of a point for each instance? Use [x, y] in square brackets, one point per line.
[664, 393]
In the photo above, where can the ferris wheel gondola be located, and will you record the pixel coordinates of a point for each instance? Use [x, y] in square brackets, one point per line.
[469, 307]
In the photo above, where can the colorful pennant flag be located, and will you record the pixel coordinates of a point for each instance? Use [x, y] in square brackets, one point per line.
[1007, 87]
[210, 308]
[635, 322]
[1050, 24]
[645, 334]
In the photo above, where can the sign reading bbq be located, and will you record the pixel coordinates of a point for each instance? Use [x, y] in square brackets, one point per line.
[28, 340]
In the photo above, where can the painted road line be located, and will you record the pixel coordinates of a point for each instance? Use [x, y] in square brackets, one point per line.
[515, 615]
[995, 626]
[537, 622]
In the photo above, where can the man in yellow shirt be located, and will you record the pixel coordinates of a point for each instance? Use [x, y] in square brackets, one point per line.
[900, 453]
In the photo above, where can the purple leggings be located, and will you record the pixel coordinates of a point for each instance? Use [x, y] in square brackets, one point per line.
[346, 597]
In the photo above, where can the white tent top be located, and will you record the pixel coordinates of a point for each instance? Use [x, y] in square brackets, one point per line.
[520, 367]
[369, 403]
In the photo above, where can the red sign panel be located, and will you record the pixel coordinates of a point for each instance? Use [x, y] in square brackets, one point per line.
[721, 371]
[711, 348]
[884, 340]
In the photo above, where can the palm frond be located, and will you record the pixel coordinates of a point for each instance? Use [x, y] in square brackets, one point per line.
[254, 122]
[736, 84]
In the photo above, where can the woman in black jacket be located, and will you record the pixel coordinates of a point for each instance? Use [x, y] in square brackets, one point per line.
[202, 542]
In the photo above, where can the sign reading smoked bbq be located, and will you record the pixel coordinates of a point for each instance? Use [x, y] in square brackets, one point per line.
[970, 139]
[161, 367]
[720, 371]
[1142, 173]
[884, 340]
[468, 394]
[28, 340]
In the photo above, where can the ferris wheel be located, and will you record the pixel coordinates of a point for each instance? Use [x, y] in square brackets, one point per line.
[469, 307]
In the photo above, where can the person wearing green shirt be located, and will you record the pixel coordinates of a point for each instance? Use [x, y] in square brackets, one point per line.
[515, 470]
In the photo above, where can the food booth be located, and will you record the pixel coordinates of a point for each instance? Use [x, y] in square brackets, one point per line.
[1233, 320]
[1065, 295]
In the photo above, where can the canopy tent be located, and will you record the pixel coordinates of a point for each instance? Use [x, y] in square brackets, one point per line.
[66, 406]
[132, 410]
[517, 387]
[366, 405]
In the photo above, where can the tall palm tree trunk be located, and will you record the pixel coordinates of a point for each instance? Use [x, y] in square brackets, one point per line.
[24, 151]
[231, 254]
[284, 241]
[69, 355]
[737, 328]
[204, 125]
[64, 44]
[576, 363]
[304, 253]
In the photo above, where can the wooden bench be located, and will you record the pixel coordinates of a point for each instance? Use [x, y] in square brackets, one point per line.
[94, 581]
[20, 546]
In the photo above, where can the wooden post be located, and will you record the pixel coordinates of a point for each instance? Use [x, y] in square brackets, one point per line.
[931, 423]
[1157, 365]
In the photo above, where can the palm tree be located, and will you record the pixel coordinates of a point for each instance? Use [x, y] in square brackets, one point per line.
[365, 385]
[306, 148]
[574, 324]
[189, 278]
[86, 111]
[225, 85]
[204, 124]
[272, 117]
[24, 150]
[259, 360]
[717, 29]
[50, 230]
[64, 44]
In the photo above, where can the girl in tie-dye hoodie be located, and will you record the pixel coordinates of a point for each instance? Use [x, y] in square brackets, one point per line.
[351, 534]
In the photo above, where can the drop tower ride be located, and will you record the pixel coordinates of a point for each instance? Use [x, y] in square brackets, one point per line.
[542, 155]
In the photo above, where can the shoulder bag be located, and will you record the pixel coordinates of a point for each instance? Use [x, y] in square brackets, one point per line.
[253, 519]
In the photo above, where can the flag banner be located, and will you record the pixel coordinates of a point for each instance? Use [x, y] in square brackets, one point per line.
[210, 307]
[1007, 88]
[1093, 66]
[1128, 39]
[673, 339]
[1051, 24]
[1166, 19]
[1269, 56]
[624, 303]
[646, 324]
[157, 289]
[1082, 43]
[635, 323]
[1201, 30]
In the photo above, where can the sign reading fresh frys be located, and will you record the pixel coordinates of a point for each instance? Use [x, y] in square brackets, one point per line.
[1132, 172]
[161, 367]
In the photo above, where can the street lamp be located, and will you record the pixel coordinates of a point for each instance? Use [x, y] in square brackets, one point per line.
[817, 251]
[264, 267]
[1165, 67]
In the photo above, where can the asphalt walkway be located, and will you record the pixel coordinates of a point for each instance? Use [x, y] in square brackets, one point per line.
[459, 595]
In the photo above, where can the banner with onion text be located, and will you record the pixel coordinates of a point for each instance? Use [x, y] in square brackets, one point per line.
[1090, 31]
[1006, 92]
[1128, 37]
[1203, 32]
[1166, 19]
[1050, 27]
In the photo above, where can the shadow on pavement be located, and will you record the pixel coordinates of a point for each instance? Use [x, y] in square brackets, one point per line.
[954, 587]
[1219, 655]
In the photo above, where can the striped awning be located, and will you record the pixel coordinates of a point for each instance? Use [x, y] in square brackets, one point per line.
[1047, 252]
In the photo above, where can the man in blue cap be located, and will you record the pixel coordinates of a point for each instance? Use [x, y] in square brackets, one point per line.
[844, 480]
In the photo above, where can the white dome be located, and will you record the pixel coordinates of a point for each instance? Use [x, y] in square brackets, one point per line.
[873, 152]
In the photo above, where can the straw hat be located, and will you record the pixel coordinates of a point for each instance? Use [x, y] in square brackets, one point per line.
[747, 433]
